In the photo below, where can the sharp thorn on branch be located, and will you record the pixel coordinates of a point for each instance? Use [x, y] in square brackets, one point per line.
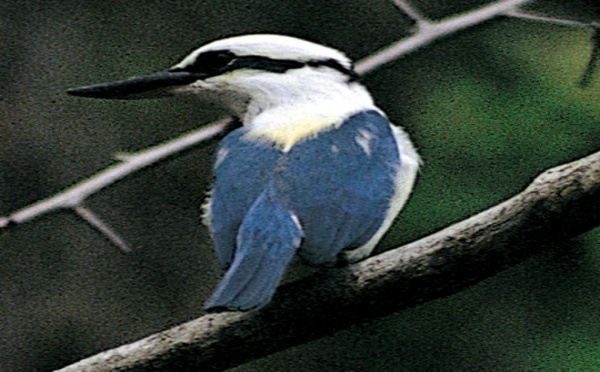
[420, 20]
[122, 156]
[91, 218]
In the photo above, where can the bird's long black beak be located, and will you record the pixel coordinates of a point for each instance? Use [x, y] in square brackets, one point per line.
[156, 85]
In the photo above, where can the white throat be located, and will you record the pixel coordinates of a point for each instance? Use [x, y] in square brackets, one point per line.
[287, 108]
[303, 93]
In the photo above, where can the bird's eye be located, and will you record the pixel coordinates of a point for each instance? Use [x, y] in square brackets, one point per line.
[215, 60]
[211, 63]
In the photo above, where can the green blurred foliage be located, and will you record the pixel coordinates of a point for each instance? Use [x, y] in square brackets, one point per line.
[488, 108]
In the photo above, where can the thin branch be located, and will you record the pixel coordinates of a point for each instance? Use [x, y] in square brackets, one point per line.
[519, 13]
[436, 31]
[561, 203]
[412, 12]
[76, 194]
[92, 219]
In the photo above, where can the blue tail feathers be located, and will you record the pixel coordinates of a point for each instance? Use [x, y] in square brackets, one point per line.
[266, 243]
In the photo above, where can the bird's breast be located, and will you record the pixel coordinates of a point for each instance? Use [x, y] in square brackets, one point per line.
[286, 133]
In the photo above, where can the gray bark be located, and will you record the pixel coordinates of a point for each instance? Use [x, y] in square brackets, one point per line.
[561, 203]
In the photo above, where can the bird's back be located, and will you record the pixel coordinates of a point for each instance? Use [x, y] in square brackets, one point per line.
[337, 187]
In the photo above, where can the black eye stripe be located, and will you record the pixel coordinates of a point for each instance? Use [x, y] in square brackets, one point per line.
[265, 64]
[215, 63]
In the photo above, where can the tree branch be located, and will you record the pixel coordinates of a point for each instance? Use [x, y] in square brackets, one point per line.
[93, 220]
[518, 13]
[430, 31]
[561, 203]
[412, 12]
[75, 195]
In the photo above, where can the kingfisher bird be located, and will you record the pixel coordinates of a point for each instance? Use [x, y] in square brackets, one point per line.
[316, 169]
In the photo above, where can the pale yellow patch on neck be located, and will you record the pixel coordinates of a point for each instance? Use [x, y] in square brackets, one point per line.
[285, 135]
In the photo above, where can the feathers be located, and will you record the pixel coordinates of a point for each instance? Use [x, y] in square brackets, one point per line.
[267, 241]
[326, 189]
[242, 172]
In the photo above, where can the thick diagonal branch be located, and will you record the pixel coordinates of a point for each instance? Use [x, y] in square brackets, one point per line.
[561, 203]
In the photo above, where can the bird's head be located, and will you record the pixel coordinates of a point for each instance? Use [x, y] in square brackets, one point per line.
[262, 69]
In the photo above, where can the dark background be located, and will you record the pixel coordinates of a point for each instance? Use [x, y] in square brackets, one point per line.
[488, 108]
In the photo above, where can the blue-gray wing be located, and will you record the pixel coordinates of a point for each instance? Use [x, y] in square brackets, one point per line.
[242, 171]
[340, 185]
[268, 239]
